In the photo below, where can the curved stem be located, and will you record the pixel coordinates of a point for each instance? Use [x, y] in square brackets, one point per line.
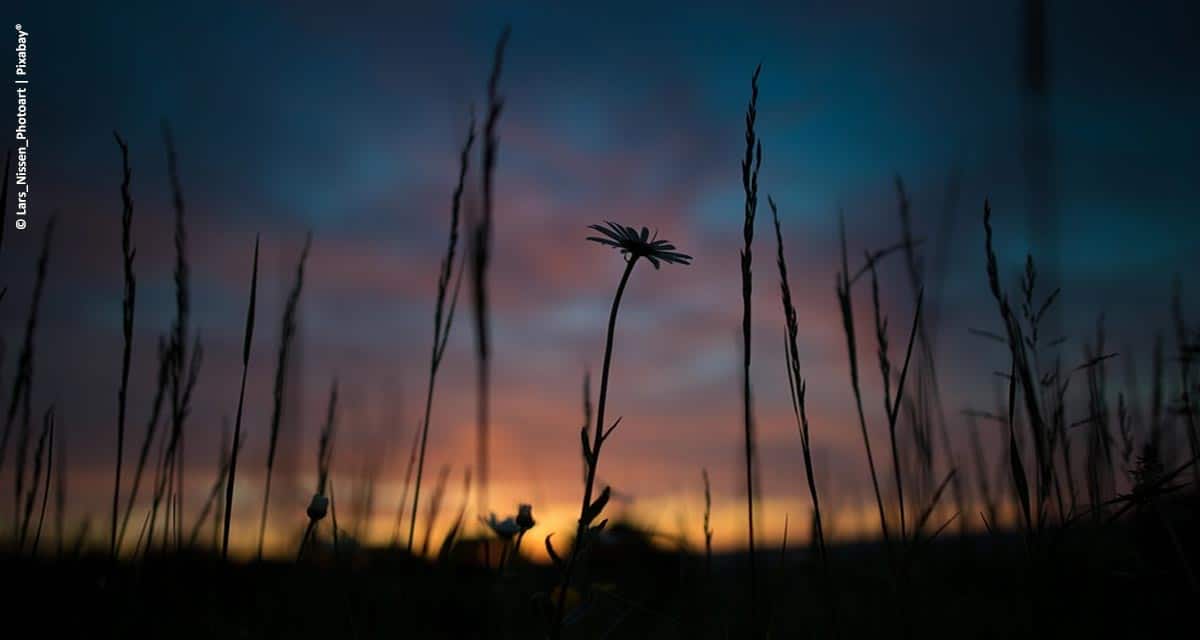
[412, 520]
[598, 441]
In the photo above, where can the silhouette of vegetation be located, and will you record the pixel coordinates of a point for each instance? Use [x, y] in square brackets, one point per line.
[1077, 514]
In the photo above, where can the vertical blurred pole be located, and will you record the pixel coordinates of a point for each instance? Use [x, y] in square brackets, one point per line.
[1039, 167]
[1044, 228]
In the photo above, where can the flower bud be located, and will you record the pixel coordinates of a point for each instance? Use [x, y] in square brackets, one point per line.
[318, 507]
[525, 517]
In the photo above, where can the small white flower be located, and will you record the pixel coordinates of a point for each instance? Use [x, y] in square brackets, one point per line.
[506, 528]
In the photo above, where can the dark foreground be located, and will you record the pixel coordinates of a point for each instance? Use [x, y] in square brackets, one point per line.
[1085, 581]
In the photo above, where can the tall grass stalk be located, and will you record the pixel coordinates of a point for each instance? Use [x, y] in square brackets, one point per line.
[1187, 348]
[237, 423]
[587, 414]
[145, 532]
[797, 388]
[36, 480]
[443, 319]
[337, 548]
[287, 335]
[22, 391]
[481, 251]
[60, 491]
[164, 372]
[708, 532]
[46, 479]
[81, 537]
[927, 373]
[215, 493]
[324, 461]
[435, 507]
[365, 501]
[3, 345]
[127, 310]
[845, 303]
[167, 474]
[1032, 502]
[186, 364]
[31, 495]
[455, 531]
[1099, 460]
[342, 563]
[213, 498]
[1051, 396]
[751, 164]
[408, 471]
[1155, 436]
[892, 412]
[892, 408]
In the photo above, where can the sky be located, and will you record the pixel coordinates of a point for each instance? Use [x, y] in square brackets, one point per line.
[345, 119]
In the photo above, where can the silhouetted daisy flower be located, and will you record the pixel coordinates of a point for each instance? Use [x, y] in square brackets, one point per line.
[631, 242]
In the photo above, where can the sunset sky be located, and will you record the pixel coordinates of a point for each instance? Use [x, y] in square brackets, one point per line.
[345, 120]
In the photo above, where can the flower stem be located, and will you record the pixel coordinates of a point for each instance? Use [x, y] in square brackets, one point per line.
[598, 441]
[412, 520]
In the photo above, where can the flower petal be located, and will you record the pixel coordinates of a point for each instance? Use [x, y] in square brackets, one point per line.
[605, 231]
[605, 241]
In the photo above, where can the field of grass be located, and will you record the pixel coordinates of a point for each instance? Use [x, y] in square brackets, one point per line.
[1105, 540]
